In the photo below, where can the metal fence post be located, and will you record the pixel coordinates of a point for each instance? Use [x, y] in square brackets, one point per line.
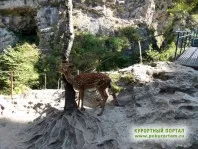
[182, 42]
[140, 49]
[176, 45]
[58, 83]
[11, 84]
[45, 80]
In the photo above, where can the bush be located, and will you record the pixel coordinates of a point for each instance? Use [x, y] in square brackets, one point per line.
[99, 52]
[131, 33]
[47, 65]
[87, 51]
[165, 55]
[21, 60]
[184, 5]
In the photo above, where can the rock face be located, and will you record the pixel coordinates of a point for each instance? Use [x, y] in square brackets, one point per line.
[7, 38]
[160, 95]
[43, 18]
[107, 16]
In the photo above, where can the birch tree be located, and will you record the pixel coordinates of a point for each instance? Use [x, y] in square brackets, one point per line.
[68, 38]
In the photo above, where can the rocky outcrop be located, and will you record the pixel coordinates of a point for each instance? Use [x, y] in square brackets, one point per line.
[16, 18]
[107, 16]
[7, 38]
[160, 95]
[97, 17]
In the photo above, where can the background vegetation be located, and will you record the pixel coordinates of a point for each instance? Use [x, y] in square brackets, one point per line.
[184, 6]
[47, 65]
[21, 61]
[90, 52]
[99, 52]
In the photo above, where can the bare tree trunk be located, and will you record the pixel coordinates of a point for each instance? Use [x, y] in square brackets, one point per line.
[68, 38]
[70, 103]
[69, 30]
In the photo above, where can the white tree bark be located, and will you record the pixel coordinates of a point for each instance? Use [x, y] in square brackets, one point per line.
[69, 29]
[68, 39]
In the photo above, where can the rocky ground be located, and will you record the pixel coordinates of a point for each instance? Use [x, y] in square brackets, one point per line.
[159, 95]
[20, 113]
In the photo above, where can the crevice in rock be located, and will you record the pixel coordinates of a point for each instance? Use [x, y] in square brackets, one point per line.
[189, 108]
[167, 90]
[170, 90]
[161, 75]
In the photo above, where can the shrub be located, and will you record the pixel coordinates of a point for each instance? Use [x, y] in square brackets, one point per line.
[21, 60]
[184, 5]
[47, 65]
[87, 51]
[115, 77]
[131, 33]
[165, 55]
[99, 52]
[128, 77]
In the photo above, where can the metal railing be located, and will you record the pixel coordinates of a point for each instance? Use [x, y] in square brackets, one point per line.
[184, 40]
[195, 39]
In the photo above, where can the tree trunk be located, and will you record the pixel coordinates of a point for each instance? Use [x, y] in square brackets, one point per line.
[69, 30]
[68, 38]
[70, 103]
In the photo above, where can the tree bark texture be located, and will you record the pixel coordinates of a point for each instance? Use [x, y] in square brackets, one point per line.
[68, 38]
[70, 103]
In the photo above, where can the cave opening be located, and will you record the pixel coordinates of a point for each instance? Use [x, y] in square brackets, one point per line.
[20, 23]
[29, 36]
[27, 31]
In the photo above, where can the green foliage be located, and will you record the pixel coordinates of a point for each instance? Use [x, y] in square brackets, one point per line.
[47, 65]
[99, 52]
[128, 77]
[21, 61]
[115, 88]
[115, 50]
[165, 55]
[117, 43]
[195, 18]
[184, 5]
[169, 37]
[131, 33]
[115, 77]
[87, 50]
